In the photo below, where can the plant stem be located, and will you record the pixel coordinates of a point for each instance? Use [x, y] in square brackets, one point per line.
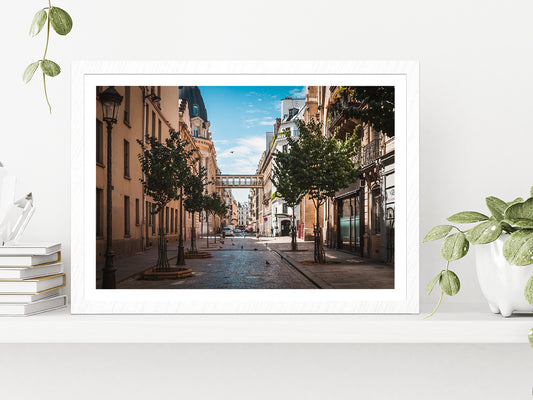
[440, 299]
[44, 55]
[438, 305]
[46, 94]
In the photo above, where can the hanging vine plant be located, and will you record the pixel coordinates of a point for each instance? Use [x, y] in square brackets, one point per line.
[61, 22]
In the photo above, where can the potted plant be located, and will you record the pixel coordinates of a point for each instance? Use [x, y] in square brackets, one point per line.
[504, 266]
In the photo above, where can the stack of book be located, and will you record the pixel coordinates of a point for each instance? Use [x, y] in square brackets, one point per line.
[31, 276]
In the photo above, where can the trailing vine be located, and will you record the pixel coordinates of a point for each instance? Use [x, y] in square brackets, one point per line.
[61, 22]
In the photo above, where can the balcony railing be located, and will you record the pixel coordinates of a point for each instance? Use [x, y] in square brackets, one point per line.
[371, 152]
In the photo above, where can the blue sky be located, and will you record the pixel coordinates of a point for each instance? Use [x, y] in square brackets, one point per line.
[240, 116]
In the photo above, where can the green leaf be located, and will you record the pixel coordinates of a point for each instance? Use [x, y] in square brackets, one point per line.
[515, 201]
[528, 293]
[467, 217]
[518, 248]
[496, 207]
[432, 284]
[38, 22]
[449, 283]
[60, 20]
[29, 71]
[485, 232]
[438, 232]
[50, 68]
[520, 223]
[454, 247]
[520, 211]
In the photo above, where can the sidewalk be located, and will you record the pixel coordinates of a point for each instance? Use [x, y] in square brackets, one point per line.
[343, 270]
[128, 266]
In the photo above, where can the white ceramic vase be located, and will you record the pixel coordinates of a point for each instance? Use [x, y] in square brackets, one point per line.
[502, 284]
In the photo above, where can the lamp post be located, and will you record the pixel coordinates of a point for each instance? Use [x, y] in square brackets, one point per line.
[111, 101]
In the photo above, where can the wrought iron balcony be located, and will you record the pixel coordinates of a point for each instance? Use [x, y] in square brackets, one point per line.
[370, 152]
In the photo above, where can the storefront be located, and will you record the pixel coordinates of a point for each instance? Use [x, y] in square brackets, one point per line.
[350, 222]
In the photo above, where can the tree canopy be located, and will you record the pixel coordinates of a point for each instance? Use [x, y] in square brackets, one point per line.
[369, 104]
[322, 165]
[165, 168]
[194, 191]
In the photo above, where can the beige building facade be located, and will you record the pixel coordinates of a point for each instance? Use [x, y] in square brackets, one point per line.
[145, 110]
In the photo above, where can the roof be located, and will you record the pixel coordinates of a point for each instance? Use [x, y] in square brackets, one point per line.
[194, 97]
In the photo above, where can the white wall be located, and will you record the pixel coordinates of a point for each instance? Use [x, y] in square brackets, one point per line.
[475, 140]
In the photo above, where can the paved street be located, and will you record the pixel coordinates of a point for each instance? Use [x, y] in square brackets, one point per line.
[238, 263]
[265, 263]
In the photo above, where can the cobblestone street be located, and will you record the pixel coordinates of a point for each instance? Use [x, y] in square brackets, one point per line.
[265, 263]
[253, 266]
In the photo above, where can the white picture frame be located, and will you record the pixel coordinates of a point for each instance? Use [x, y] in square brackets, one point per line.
[404, 298]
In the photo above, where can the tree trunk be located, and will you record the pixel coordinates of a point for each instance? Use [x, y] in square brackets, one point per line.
[294, 246]
[162, 259]
[180, 259]
[320, 257]
[207, 229]
[194, 250]
[214, 231]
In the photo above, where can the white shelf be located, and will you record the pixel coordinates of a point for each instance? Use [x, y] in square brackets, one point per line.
[476, 326]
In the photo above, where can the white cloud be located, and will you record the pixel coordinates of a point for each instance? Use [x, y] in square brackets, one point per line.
[242, 157]
[298, 92]
[267, 122]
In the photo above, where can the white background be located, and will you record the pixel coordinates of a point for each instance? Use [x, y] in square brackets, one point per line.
[475, 139]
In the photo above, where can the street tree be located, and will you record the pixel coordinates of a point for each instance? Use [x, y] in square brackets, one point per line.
[165, 168]
[323, 166]
[373, 105]
[285, 178]
[215, 206]
[195, 199]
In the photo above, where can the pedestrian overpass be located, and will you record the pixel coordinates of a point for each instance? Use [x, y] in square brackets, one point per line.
[239, 181]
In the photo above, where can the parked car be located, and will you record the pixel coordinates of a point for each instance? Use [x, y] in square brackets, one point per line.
[237, 230]
[227, 231]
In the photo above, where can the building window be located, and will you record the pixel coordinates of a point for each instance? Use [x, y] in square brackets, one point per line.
[126, 159]
[159, 129]
[166, 220]
[285, 148]
[176, 220]
[285, 208]
[171, 220]
[376, 214]
[127, 93]
[153, 221]
[126, 216]
[99, 212]
[153, 123]
[99, 142]
[159, 91]
[195, 110]
[152, 90]
[293, 112]
[137, 212]
[195, 132]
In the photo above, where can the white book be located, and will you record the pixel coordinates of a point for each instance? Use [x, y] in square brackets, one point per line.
[32, 286]
[29, 261]
[28, 298]
[27, 273]
[30, 249]
[50, 303]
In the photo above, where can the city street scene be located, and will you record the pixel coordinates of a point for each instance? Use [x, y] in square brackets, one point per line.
[245, 187]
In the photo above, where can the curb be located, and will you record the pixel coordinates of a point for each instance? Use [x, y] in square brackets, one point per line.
[284, 257]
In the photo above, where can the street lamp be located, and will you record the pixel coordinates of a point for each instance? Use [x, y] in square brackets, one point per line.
[111, 101]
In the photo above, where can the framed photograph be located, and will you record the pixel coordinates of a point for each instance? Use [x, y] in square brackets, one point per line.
[245, 187]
